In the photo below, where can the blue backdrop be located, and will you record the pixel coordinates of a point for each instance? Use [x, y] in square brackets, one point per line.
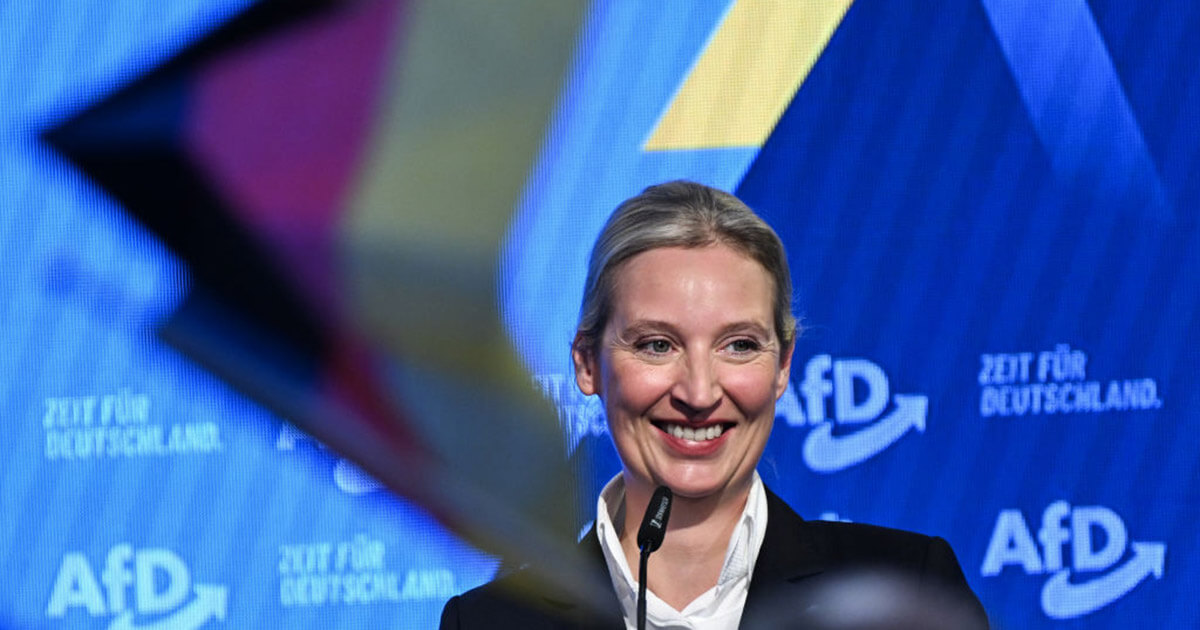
[990, 213]
[990, 209]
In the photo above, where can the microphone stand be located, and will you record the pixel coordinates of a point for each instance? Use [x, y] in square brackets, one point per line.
[644, 556]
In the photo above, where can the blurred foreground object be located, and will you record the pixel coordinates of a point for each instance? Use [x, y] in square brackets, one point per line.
[872, 600]
[337, 177]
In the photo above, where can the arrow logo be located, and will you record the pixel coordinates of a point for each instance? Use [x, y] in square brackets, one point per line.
[210, 602]
[1063, 600]
[824, 452]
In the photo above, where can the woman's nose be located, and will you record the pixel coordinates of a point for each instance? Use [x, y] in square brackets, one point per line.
[697, 386]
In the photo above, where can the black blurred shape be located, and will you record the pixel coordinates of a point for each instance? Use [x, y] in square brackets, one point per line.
[131, 144]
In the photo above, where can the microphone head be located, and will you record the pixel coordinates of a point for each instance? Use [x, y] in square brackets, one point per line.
[654, 523]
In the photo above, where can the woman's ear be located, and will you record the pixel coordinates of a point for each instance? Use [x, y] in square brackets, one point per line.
[587, 371]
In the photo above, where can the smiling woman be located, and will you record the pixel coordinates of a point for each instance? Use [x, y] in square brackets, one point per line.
[689, 369]
[686, 335]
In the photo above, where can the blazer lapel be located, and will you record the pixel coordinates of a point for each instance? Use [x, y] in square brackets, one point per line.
[788, 556]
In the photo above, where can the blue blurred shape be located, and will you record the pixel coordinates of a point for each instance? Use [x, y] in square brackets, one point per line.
[1076, 102]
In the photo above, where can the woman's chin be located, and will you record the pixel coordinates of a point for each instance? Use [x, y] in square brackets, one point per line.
[694, 486]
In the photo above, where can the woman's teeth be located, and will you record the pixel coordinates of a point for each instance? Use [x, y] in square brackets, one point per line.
[702, 434]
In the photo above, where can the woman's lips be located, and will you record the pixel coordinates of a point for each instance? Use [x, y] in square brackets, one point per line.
[695, 440]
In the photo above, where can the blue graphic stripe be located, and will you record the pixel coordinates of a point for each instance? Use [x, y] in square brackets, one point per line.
[902, 229]
[949, 352]
[1175, 135]
[1075, 99]
[1140, 443]
[1121, 277]
[962, 111]
[1139, 58]
[958, 207]
[1083, 251]
[874, 210]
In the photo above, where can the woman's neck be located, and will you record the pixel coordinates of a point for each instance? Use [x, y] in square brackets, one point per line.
[693, 551]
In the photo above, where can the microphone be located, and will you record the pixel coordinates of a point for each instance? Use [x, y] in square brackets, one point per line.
[654, 523]
[649, 539]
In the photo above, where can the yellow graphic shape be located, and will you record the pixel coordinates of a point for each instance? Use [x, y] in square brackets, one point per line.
[746, 75]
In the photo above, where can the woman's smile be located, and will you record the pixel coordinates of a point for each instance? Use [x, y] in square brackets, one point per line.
[690, 441]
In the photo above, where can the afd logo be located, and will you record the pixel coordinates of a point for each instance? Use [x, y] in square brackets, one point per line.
[148, 589]
[1074, 590]
[859, 392]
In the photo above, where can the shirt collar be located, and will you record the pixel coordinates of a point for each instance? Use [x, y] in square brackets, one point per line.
[719, 607]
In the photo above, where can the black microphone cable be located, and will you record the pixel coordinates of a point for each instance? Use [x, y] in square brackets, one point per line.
[649, 539]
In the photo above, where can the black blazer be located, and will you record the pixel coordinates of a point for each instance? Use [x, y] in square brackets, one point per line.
[797, 564]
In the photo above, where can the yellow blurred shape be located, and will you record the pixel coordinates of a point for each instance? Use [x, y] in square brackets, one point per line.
[470, 93]
[747, 74]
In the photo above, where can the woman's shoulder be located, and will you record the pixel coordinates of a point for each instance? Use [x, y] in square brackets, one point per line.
[860, 541]
[854, 557]
[838, 544]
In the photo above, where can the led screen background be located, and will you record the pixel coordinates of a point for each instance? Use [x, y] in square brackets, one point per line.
[990, 212]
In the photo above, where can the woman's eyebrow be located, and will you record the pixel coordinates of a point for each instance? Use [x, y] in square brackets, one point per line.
[748, 327]
[647, 326]
[652, 326]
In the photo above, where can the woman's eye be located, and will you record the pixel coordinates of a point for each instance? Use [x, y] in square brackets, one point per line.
[743, 345]
[657, 346]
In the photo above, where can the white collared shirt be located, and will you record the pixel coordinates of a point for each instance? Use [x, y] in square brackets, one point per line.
[718, 608]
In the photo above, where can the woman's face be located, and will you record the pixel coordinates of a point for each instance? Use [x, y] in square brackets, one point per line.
[689, 368]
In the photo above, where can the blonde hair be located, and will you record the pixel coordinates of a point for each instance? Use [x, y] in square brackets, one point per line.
[680, 214]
